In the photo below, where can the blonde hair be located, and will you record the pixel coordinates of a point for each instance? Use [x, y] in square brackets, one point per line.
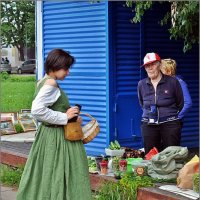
[168, 66]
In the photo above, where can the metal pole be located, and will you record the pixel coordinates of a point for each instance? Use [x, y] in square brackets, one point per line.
[26, 57]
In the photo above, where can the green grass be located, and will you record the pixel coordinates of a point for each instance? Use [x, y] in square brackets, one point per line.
[11, 176]
[16, 93]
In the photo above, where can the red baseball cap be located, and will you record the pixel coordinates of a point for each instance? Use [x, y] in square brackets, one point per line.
[150, 57]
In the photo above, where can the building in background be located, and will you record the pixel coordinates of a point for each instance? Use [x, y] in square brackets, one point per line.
[13, 55]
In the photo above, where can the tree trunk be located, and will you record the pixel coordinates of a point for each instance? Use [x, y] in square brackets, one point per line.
[21, 52]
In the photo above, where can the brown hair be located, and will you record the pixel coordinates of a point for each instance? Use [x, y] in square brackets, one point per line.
[168, 65]
[58, 59]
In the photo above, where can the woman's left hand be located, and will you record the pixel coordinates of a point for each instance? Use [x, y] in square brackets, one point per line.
[80, 120]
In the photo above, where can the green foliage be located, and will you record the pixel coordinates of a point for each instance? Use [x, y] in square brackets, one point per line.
[126, 188]
[18, 24]
[140, 8]
[195, 180]
[16, 78]
[4, 76]
[18, 128]
[131, 183]
[110, 191]
[16, 95]
[184, 21]
[11, 176]
[186, 24]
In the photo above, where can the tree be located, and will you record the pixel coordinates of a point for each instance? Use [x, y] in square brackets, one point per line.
[18, 24]
[183, 16]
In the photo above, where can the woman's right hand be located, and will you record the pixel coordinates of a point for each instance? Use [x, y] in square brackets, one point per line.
[72, 112]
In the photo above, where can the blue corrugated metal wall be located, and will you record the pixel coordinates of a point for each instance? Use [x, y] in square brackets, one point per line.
[109, 50]
[80, 27]
[156, 40]
[127, 74]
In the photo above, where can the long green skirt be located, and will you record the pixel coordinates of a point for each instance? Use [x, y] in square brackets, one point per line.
[56, 169]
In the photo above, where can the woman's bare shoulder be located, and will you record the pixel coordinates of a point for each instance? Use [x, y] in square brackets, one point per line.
[51, 82]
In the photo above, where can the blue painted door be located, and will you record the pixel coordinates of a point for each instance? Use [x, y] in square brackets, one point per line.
[128, 114]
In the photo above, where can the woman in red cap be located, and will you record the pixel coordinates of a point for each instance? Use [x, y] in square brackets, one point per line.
[161, 99]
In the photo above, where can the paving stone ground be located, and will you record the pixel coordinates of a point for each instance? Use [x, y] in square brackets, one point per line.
[17, 143]
[8, 193]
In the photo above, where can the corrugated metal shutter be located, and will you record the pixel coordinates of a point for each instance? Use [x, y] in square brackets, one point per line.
[80, 27]
[127, 75]
[156, 39]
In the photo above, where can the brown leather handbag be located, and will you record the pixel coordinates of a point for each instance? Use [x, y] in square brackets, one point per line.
[73, 131]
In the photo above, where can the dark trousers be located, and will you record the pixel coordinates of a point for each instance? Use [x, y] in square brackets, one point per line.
[162, 135]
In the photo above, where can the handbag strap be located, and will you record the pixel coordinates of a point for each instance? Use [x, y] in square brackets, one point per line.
[86, 114]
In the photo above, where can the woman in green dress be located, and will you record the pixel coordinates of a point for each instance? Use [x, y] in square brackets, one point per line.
[56, 168]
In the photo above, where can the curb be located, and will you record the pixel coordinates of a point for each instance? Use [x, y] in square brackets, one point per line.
[19, 137]
[13, 158]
